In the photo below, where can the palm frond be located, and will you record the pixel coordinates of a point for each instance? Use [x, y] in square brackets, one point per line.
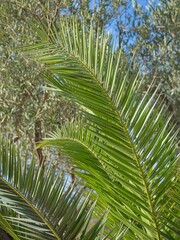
[127, 151]
[37, 203]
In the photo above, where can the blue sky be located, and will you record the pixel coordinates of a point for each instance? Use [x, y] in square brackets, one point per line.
[144, 4]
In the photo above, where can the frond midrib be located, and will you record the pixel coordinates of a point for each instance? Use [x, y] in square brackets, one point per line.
[133, 146]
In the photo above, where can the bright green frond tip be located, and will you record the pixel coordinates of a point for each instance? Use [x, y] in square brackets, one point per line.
[124, 144]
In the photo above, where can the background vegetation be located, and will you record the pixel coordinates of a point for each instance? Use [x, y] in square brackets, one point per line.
[28, 111]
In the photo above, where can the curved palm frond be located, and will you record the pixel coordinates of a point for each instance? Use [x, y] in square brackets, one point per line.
[126, 145]
[37, 203]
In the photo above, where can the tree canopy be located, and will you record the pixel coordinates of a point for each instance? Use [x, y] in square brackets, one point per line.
[109, 107]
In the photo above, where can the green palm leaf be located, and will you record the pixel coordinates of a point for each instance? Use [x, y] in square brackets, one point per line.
[37, 203]
[125, 147]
